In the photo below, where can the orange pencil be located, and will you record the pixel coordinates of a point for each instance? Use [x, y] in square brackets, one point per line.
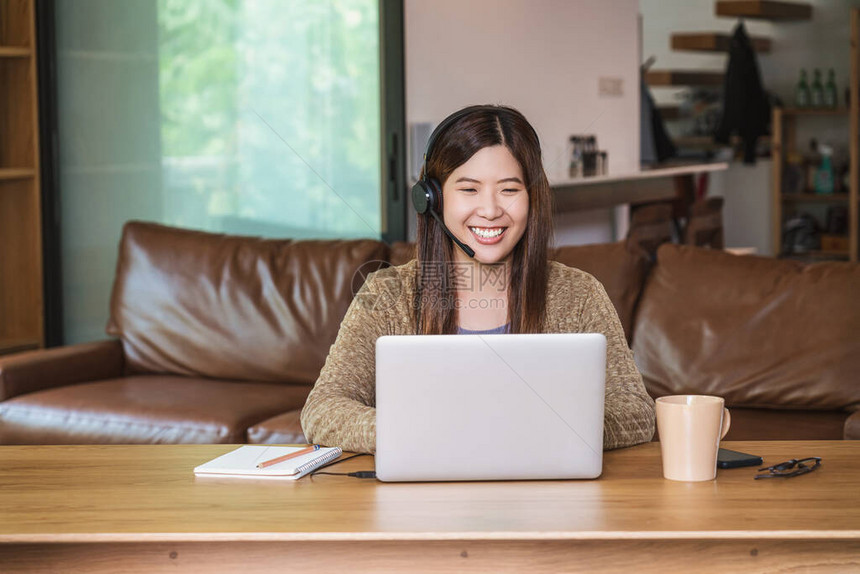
[288, 456]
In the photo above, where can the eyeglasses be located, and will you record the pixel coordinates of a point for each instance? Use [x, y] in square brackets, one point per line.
[791, 468]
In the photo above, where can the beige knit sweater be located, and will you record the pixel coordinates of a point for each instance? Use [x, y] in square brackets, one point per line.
[340, 408]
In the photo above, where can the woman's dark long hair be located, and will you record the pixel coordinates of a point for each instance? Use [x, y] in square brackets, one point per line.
[434, 299]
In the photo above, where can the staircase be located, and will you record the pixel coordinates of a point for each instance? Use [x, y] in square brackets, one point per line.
[716, 42]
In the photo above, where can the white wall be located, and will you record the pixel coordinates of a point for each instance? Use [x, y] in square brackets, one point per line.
[543, 57]
[822, 42]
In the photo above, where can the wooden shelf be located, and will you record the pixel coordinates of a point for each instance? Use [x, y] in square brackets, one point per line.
[683, 78]
[704, 144]
[713, 42]
[815, 197]
[21, 275]
[764, 10]
[15, 173]
[785, 123]
[815, 111]
[15, 52]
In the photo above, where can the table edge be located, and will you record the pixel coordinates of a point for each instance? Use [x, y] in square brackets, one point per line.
[739, 535]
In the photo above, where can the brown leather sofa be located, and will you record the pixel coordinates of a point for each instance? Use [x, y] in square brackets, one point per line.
[218, 339]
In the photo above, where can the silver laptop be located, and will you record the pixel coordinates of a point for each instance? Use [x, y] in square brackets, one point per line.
[489, 407]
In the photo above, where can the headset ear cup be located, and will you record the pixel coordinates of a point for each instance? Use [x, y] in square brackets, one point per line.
[435, 195]
[421, 197]
[426, 196]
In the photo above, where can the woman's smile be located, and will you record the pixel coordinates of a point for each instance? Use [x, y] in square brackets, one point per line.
[488, 235]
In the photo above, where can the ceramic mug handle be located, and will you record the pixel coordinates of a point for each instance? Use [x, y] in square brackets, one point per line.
[727, 422]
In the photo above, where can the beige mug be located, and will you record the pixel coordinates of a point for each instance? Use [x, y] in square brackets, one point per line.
[690, 428]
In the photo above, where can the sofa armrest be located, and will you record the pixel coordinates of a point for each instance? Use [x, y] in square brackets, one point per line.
[47, 368]
[852, 427]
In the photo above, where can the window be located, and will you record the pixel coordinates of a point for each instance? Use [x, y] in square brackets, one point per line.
[256, 117]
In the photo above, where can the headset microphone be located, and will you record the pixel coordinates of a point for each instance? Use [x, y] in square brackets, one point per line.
[423, 202]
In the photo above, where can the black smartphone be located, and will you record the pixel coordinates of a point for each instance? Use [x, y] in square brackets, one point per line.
[733, 459]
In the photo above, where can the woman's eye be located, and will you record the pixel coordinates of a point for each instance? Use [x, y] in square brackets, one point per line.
[510, 190]
[469, 189]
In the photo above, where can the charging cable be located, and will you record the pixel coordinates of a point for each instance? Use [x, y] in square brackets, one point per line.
[357, 474]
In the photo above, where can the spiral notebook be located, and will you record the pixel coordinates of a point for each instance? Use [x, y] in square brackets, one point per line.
[242, 462]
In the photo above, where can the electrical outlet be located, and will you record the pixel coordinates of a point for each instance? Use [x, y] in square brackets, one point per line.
[610, 87]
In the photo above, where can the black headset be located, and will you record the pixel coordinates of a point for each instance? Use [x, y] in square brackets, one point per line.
[427, 191]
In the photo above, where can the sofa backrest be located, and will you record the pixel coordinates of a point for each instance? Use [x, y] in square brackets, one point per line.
[759, 331]
[402, 252]
[621, 267]
[230, 307]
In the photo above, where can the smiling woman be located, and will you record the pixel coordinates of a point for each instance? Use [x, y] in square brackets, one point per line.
[481, 268]
[485, 163]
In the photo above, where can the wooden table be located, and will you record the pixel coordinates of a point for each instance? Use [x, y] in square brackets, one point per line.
[140, 509]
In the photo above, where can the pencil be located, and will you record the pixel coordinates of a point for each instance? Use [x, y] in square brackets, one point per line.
[266, 463]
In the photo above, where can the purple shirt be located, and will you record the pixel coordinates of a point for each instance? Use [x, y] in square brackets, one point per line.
[503, 329]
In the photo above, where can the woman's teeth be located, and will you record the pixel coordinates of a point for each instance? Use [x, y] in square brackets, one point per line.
[487, 233]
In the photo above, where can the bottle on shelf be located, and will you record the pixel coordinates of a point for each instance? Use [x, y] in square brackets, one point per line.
[824, 173]
[793, 174]
[811, 161]
[575, 168]
[589, 157]
[586, 160]
[831, 97]
[801, 92]
[817, 90]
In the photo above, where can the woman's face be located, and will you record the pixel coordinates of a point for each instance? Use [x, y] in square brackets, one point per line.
[486, 205]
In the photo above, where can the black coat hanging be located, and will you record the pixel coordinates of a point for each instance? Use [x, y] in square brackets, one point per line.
[746, 108]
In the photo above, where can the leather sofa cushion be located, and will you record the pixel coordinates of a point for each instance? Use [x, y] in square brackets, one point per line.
[285, 428]
[145, 409]
[210, 305]
[760, 332]
[621, 267]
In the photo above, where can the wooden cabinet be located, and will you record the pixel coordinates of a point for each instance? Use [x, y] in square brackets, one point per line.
[803, 199]
[21, 298]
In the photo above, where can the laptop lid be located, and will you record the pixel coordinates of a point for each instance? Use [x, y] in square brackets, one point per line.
[489, 407]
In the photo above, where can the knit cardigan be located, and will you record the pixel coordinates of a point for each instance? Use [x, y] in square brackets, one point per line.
[340, 410]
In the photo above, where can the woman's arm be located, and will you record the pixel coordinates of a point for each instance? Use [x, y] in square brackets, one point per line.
[629, 410]
[340, 409]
